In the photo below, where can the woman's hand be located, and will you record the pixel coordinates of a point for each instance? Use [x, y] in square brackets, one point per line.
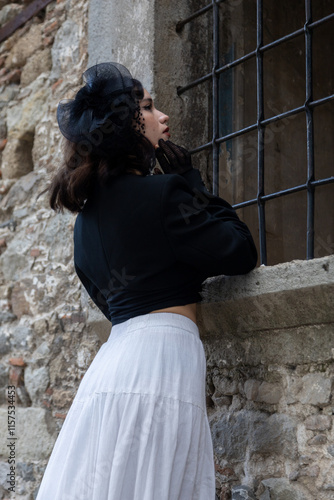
[173, 159]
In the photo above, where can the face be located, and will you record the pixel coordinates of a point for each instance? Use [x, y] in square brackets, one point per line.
[154, 121]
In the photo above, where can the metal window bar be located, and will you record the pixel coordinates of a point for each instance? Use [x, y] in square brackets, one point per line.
[31, 10]
[261, 123]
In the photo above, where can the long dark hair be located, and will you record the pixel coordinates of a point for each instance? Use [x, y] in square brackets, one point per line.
[108, 152]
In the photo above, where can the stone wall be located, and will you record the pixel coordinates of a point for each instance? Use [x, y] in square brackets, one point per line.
[45, 342]
[269, 342]
[268, 336]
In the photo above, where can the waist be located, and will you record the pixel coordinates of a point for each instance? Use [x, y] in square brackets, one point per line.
[129, 304]
[188, 310]
[167, 319]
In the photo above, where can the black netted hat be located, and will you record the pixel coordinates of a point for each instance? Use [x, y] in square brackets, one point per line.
[108, 102]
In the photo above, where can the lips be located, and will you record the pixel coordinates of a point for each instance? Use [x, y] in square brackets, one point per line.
[166, 131]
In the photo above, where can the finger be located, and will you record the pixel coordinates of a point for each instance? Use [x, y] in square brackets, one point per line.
[169, 153]
[178, 151]
[164, 163]
[157, 170]
[185, 152]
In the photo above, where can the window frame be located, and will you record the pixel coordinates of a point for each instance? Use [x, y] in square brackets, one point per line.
[261, 123]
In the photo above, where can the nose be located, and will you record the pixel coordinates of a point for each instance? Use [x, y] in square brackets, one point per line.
[163, 118]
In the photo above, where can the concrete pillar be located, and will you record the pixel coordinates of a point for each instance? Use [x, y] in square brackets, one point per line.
[123, 32]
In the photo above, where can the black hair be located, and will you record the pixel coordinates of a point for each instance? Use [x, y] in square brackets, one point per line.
[116, 145]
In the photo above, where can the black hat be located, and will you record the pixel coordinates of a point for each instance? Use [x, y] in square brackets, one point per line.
[107, 97]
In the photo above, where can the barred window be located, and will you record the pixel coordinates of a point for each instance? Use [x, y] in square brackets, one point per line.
[267, 76]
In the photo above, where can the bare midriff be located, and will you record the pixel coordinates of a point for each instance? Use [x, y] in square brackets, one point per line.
[188, 310]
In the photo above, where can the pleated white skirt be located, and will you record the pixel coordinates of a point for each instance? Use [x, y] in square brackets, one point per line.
[138, 428]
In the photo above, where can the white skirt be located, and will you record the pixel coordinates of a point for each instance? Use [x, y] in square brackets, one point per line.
[138, 428]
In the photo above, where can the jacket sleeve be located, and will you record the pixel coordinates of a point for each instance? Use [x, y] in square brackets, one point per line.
[94, 293]
[203, 230]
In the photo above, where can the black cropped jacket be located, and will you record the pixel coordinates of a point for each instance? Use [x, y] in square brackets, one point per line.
[143, 243]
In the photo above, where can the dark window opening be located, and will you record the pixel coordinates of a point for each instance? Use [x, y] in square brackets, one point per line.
[271, 119]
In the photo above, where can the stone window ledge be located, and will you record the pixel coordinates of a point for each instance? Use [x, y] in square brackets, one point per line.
[284, 296]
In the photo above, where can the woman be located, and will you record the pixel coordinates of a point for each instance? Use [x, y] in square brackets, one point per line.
[143, 245]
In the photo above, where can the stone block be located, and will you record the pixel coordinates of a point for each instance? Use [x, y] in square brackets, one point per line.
[25, 114]
[62, 398]
[40, 326]
[38, 63]
[298, 294]
[262, 392]
[294, 475]
[36, 381]
[304, 460]
[66, 49]
[17, 159]
[310, 471]
[242, 492]
[280, 489]
[222, 401]
[20, 336]
[316, 389]
[26, 471]
[58, 228]
[42, 352]
[26, 46]
[96, 321]
[4, 470]
[225, 386]
[36, 432]
[318, 422]
[230, 435]
[4, 343]
[317, 440]
[251, 389]
[14, 262]
[269, 393]
[84, 357]
[3, 125]
[330, 450]
[20, 305]
[8, 12]
[21, 191]
[274, 435]
[4, 371]
[294, 386]
[255, 433]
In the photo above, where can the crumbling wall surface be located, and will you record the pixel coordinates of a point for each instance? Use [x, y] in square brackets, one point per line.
[45, 344]
[269, 342]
